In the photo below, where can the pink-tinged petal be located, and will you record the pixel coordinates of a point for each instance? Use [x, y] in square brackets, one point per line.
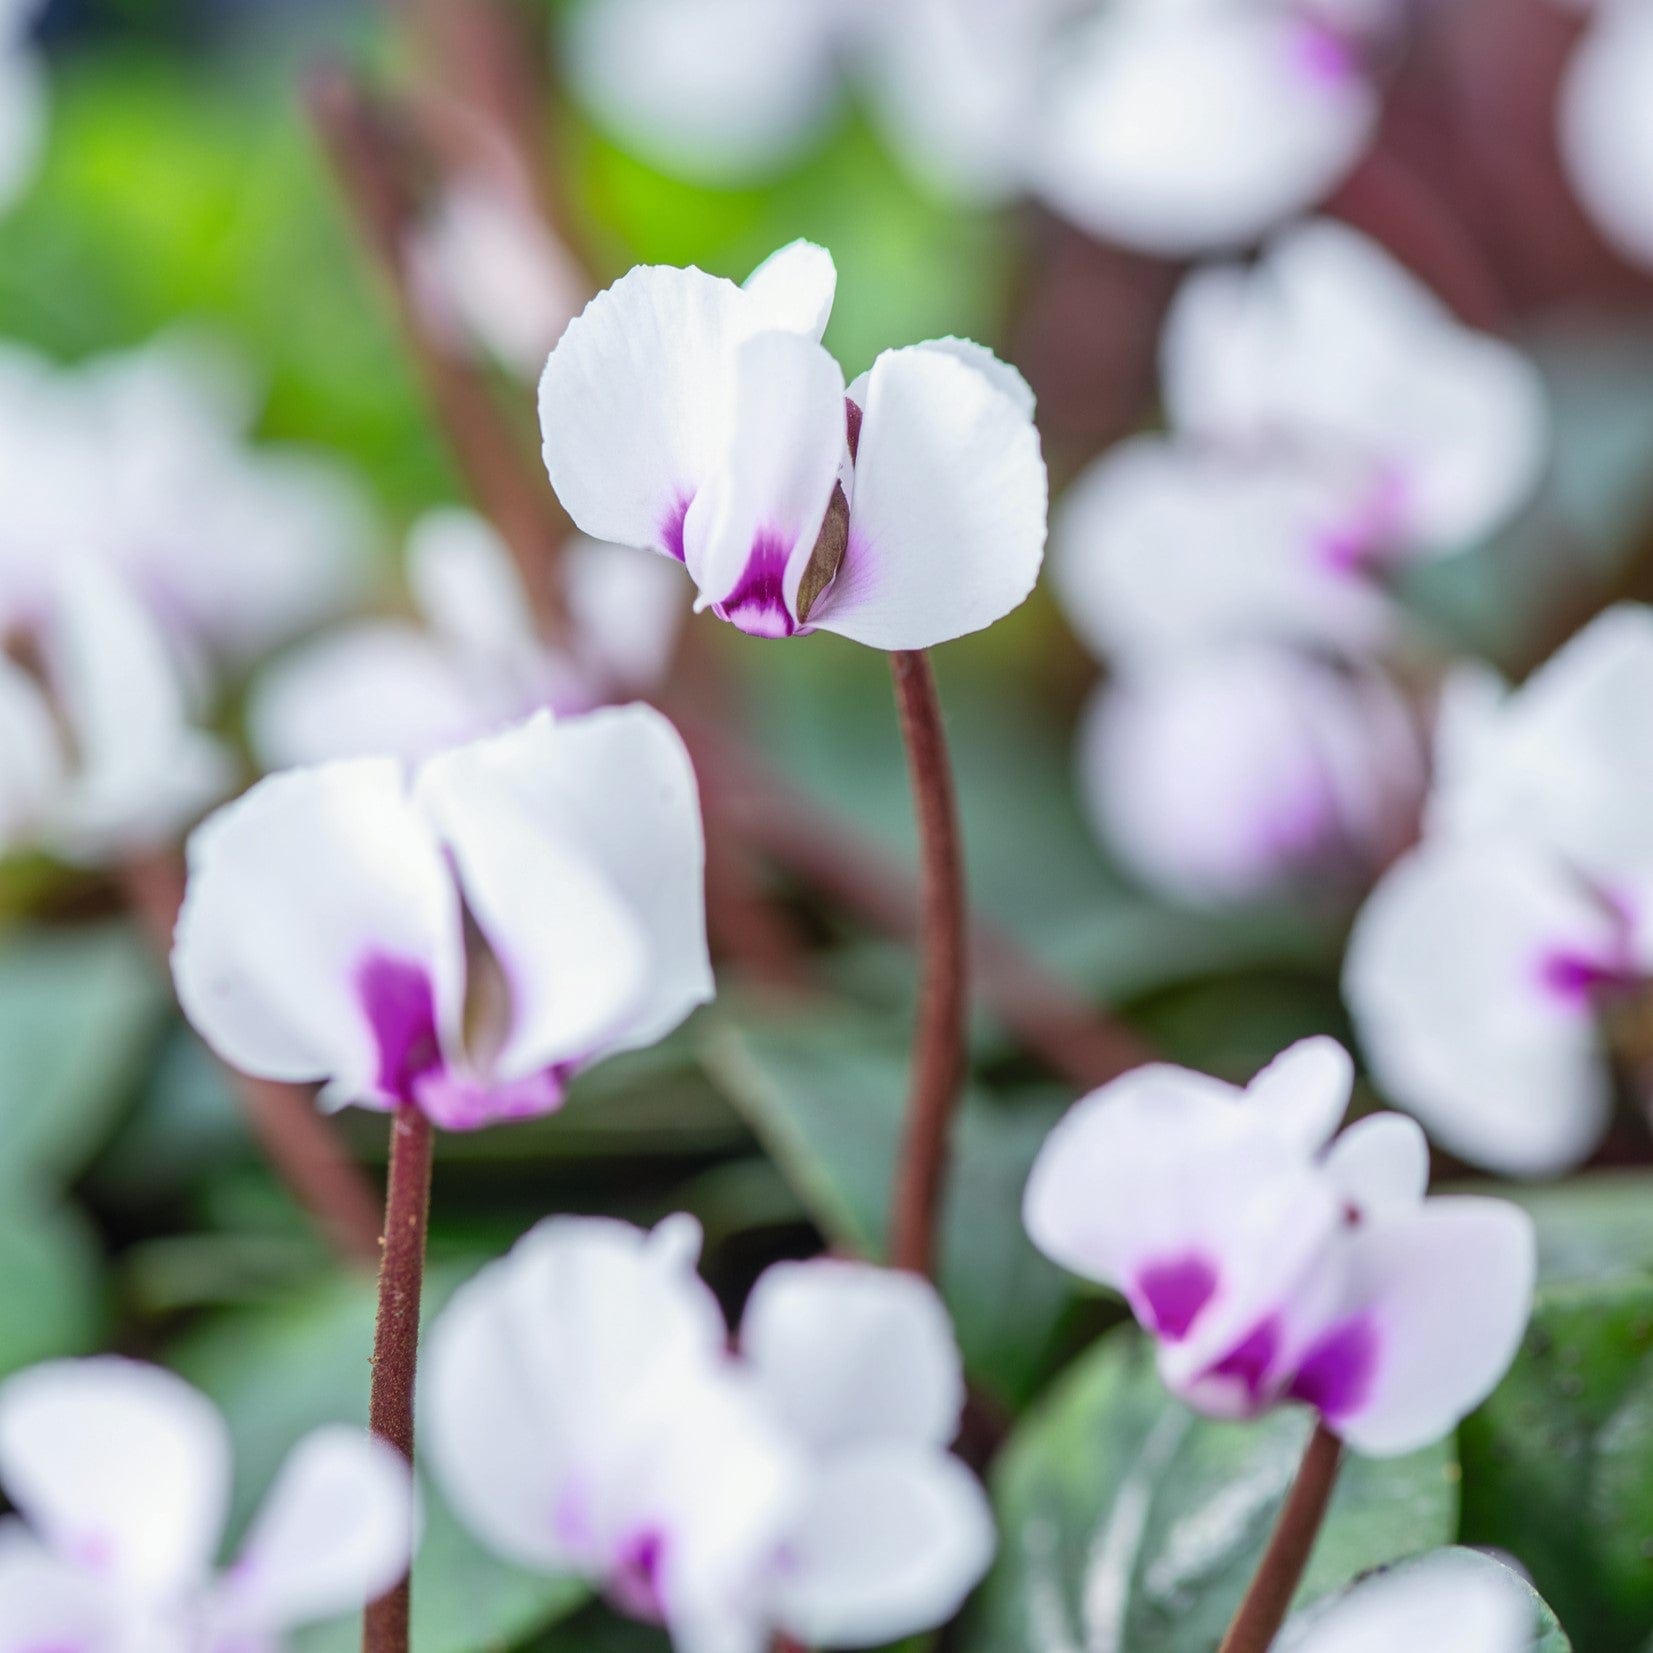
[119, 1469]
[1440, 1297]
[947, 519]
[637, 401]
[335, 1532]
[1451, 1599]
[1183, 129]
[1450, 977]
[1380, 1164]
[1606, 126]
[717, 90]
[1304, 1092]
[319, 905]
[891, 1541]
[795, 288]
[1165, 545]
[752, 528]
[48, 1605]
[853, 1355]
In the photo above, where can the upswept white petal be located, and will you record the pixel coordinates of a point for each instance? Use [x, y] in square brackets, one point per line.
[750, 531]
[626, 608]
[890, 1543]
[720, 90]
[1304, 1092]
[1447, 1290]
[1163, 545]
[550, 1377]
[1183, 129]
[947, 522]
[1457, 979]
[852, 1355]
[1004, 375]
[1606, 125]
[637, 400]
[1381, 1163]
[795, 288]
[119, 1468]
[46, 1603]
[616, 788]
[294, 890]
[468, 589]
[335, 1532]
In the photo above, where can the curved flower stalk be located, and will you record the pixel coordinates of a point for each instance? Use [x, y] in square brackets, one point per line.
[1495, 969]
[1606, 135]
[586, 1416]
[1186, 126]
[473, 661]
[120, 1474]
[705, 421]
[462, 942]
[23, 99]
[1272, 1264]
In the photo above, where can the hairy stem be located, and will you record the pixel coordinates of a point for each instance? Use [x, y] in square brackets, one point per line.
[396, 1334]
[301, 1147]
[939, 1039]
[1266, 1603]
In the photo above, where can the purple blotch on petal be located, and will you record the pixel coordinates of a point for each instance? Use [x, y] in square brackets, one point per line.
[634, 1585]
[401, 1008]
[1580, 980]
[1323, 55]
[758, 602]
[1174, 1292]
[1250, 1361]
[1336, 1374]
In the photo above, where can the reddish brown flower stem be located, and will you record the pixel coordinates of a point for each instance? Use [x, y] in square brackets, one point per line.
[302, 1148]
[396, 1334]
[1269, 1599]
[938, 1064]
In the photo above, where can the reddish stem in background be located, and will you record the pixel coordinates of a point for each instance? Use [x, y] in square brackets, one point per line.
[1269, 1598]
[938, 1064]
[302, 1148]
[396, 1335]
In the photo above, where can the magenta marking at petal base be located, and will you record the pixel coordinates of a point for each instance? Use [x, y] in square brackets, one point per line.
[1578, 979]
[671, 530]
[401, 1009]
[1174, 1292]
[1251, 1360]
[758, 602]
[1322, 55]
[1336, 1374]
[460, 1102]
[635, 1585]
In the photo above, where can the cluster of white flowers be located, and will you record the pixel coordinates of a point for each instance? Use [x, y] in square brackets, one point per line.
[1329, 423]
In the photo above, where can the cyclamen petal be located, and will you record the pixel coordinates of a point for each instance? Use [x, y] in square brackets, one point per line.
[702, 420]
[465, 941]
[1270, 1269]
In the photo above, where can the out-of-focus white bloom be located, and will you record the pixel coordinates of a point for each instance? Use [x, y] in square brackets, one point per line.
[1328, 347]
[23, 99]
[1485, 965]
[476, 663]
[1250, 771]
[585, 1416]
[1606, 121]
[465, 940]
[488, 270]
[120, 1474]
[139, 459]
[1186, 126]
[1272, 1264]
[1450, 1601]
[705, 421]
[101, 754]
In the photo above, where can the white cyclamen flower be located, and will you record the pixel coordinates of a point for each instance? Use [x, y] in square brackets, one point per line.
[1250, 772]
[465, 940]
[1488, 967]
[585, 1415]
[1186, 126]
[705, 421]
[476, 663]
[120, 1474]
[1450, 1601]
[1272, 1264]
[1606, 124]
[99, 750]
[1328, 347]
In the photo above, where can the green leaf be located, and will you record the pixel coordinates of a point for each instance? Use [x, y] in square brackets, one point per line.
[280, 1372]
[1595, 1227]
[79, 1012]
[1558, 1465]
[1130, 1525]
[51, 1302]
[826, 1098]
